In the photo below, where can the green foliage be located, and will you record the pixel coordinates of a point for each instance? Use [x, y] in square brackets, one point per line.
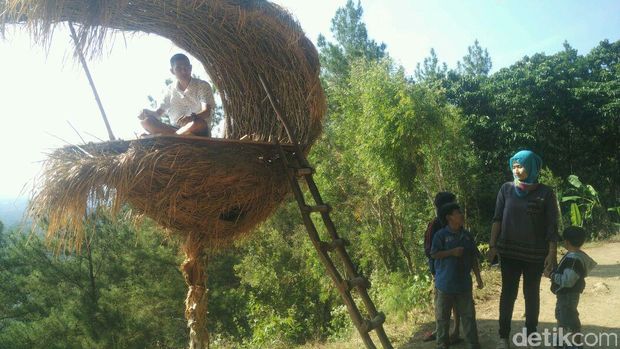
[289, 298]
[430, 71]
[575, 215]
[111, 295]
[558, 106]
[352, 43]
[477, 62]
[398, 293]
[586, 208]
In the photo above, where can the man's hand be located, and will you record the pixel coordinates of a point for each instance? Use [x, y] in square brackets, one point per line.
[480, 283]
[184, 120]
[147, 113]
[458, 251]
[547, 273]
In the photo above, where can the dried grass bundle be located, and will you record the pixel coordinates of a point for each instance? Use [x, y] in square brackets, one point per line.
[217, 189]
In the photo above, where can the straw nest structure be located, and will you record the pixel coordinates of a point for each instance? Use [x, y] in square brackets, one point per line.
[219, 189]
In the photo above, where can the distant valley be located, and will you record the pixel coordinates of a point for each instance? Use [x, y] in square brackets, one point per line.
[12, 211]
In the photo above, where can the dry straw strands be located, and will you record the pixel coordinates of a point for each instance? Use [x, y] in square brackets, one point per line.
[216, 188]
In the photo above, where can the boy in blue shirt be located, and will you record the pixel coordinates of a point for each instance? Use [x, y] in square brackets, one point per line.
[456, 255]
[434, 226]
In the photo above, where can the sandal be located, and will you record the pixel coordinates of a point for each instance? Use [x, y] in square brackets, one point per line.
[429, 336]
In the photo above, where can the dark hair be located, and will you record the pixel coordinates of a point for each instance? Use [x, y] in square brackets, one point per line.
[178, 57]
[446, 210]
[575, 235]
[442, 198]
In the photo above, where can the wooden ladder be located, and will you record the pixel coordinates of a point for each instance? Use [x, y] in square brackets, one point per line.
[297, 167]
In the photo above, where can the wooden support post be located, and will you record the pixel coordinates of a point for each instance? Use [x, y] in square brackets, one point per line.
[194, 270]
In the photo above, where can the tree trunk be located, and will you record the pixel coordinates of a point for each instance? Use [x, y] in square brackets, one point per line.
[92, 307]
[194, 269]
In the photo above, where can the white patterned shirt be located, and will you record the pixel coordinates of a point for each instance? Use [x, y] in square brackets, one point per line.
[194, 99]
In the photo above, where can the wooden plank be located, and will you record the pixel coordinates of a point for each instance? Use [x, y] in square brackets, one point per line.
[120, 146]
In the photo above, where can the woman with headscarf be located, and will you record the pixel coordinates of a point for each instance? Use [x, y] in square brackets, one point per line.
[524, 234]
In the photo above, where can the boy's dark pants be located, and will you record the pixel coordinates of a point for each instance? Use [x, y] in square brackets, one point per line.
[511, 274]
[566, 311]
[464, 303]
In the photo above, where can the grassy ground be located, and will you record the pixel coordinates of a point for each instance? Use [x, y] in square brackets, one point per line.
[406, 333]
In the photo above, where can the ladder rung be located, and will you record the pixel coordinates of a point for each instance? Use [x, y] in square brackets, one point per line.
[318, 208]
[330, 246]
[304, 171]
[358, 281]
[374, 323]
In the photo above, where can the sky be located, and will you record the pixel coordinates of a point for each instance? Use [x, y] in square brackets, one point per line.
[45, 95]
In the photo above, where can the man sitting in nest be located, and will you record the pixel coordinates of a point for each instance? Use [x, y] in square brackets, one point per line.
[188, 103]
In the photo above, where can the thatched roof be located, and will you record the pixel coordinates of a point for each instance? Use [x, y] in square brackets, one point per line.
[220, 189]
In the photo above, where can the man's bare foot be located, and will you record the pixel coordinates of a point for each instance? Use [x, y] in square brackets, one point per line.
[186, 130]
[194, 128]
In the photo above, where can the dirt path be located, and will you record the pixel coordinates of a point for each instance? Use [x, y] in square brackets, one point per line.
[599, 305]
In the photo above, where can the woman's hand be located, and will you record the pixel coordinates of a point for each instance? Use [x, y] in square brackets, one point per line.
[491, 254]
[551, 262]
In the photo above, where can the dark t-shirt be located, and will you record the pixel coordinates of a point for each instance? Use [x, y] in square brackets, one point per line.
[528, 223]
[453, 274]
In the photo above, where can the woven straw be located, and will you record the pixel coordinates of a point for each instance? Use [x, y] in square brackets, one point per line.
[217, 188]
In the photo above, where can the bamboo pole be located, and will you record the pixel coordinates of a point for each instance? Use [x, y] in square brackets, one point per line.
[78, 49]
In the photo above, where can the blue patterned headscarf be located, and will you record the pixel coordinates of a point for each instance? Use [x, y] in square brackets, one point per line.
[532, 164]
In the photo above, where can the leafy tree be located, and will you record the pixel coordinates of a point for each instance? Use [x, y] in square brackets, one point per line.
[537, 103]
[598, 98]
[352, 43]
[477, 62]
[561, 106]
[289, 296]
[111, 295]
[430, 71]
